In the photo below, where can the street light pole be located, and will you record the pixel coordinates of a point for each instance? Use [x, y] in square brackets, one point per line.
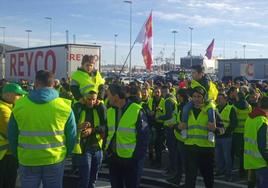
[115, 36]
[67, 36]
[4, 29]
[130, 34]
[174, 34]
[50, 28]
[244, 46]
[28, 36]
[3, 53]
[74, 41]
[4, 47]
[191, 47]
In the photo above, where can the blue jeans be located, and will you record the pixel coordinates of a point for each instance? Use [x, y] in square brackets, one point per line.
[223, 155]
[88, 164]
[50, 175]
[262, 177]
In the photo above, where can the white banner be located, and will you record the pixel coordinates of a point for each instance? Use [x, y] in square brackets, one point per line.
[247, 70]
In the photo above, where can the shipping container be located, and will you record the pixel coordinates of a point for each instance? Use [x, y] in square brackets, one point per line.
[249, 68]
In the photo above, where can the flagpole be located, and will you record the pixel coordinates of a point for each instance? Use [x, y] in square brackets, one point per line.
[129, 53]
[127, 58]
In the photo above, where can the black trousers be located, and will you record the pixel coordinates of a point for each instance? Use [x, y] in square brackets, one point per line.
[202, 159]
[124, 172]
[238, 149]
[8, 171]
[159, 144]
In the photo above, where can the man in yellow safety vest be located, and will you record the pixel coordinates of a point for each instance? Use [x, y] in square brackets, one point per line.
[91, 126]
[86, 79]
[255, 148]
[127, 139]
[41, 133]
[8, 163]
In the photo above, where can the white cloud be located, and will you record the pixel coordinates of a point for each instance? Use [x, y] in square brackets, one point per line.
[77, 16]
[196, 19]
[222, 6]
[253, 44]
[205, 21]
[169, 16]
[174, 1]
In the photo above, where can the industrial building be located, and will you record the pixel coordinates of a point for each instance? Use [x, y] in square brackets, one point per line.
[250, 68]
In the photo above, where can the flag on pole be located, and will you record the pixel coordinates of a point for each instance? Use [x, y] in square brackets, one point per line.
[210, 50]
[145, 37]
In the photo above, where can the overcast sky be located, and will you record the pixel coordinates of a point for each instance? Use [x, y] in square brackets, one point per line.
[233, 23]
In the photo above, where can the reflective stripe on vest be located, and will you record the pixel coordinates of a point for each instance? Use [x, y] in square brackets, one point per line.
[125, 135]
[200, 127]
[125, 129]
[41, 146]
[197, 131]
[41, 131]
[252, 156]
[250, 140]
[126, 146]
[202, 137]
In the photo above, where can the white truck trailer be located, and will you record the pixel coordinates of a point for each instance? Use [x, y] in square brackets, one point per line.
[62, 60]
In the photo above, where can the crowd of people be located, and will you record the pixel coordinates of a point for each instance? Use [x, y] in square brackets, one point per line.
[205, 126]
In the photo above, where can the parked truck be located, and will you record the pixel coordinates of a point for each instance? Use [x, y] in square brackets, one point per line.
[62, 60]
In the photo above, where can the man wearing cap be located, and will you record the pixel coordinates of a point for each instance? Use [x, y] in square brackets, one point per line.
[41, 133]
[8, 163]
[86, 79]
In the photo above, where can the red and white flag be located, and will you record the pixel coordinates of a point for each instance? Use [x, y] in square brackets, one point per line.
[145, 37]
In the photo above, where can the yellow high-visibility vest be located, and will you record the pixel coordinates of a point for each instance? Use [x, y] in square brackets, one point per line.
[252, 156]
[86, 82]
[125, 135]
[41, 139]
